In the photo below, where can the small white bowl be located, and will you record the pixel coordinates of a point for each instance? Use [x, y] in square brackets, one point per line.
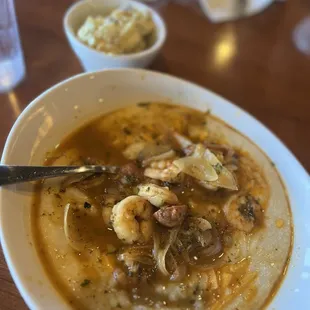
[93, 60]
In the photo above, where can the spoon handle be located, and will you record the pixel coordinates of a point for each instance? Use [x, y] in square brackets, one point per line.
[18, 174]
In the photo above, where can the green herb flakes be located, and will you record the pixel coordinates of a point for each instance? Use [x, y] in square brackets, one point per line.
[127, 131]
[143, 104]
[85, 283]
[208, 112]
[87, 205]
[218, 168]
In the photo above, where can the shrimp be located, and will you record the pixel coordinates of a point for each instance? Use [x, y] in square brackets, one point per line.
[160, 157]
[163, 170]
[242, 212]
[157, 195]
[161, 164]
[132, 220]
[133, 150]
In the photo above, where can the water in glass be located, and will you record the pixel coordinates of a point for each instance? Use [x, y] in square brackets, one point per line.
[12, 67]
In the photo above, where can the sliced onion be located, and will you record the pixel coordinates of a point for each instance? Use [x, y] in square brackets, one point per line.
[161, 252]
[200, 223]
[194, 243]
[212, 159]
[205, 238]
[73, 179]
[180, 249]
[218, 147]
[184, 142]
[83, 180]
[213, 249]
[138, 254]
[199, 254]
[225, 178]
[179, 273]
[76, 242]
[156, 247]
[76, 195]
[93, 181]
[208, 185]
[199, 168]
[171, 263]
[199, 151]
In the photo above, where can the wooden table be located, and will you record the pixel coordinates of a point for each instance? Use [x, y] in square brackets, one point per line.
[251, 62]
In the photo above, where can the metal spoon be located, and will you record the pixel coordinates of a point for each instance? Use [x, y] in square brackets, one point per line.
[18, 174]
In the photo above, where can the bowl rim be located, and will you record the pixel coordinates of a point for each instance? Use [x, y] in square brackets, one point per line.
[29, 296]
[160, 27]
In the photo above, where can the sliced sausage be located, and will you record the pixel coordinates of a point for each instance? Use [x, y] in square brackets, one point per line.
[171, 216]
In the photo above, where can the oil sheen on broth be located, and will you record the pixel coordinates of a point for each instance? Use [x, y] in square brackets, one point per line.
[169, 231]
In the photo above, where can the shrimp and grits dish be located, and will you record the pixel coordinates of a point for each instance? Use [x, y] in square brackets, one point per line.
[196, 216]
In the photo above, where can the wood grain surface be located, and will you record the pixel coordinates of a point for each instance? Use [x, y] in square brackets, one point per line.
[252, 62]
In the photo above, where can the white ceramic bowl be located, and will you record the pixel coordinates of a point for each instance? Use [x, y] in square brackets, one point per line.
[93, 60]
[68, 105]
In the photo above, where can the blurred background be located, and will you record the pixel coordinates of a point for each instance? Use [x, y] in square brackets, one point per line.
[258, 59]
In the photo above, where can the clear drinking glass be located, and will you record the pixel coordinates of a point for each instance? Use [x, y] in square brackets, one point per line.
[301, 36]
[12, 66]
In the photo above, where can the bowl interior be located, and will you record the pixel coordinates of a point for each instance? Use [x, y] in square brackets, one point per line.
[68, 105]
[77, 14]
